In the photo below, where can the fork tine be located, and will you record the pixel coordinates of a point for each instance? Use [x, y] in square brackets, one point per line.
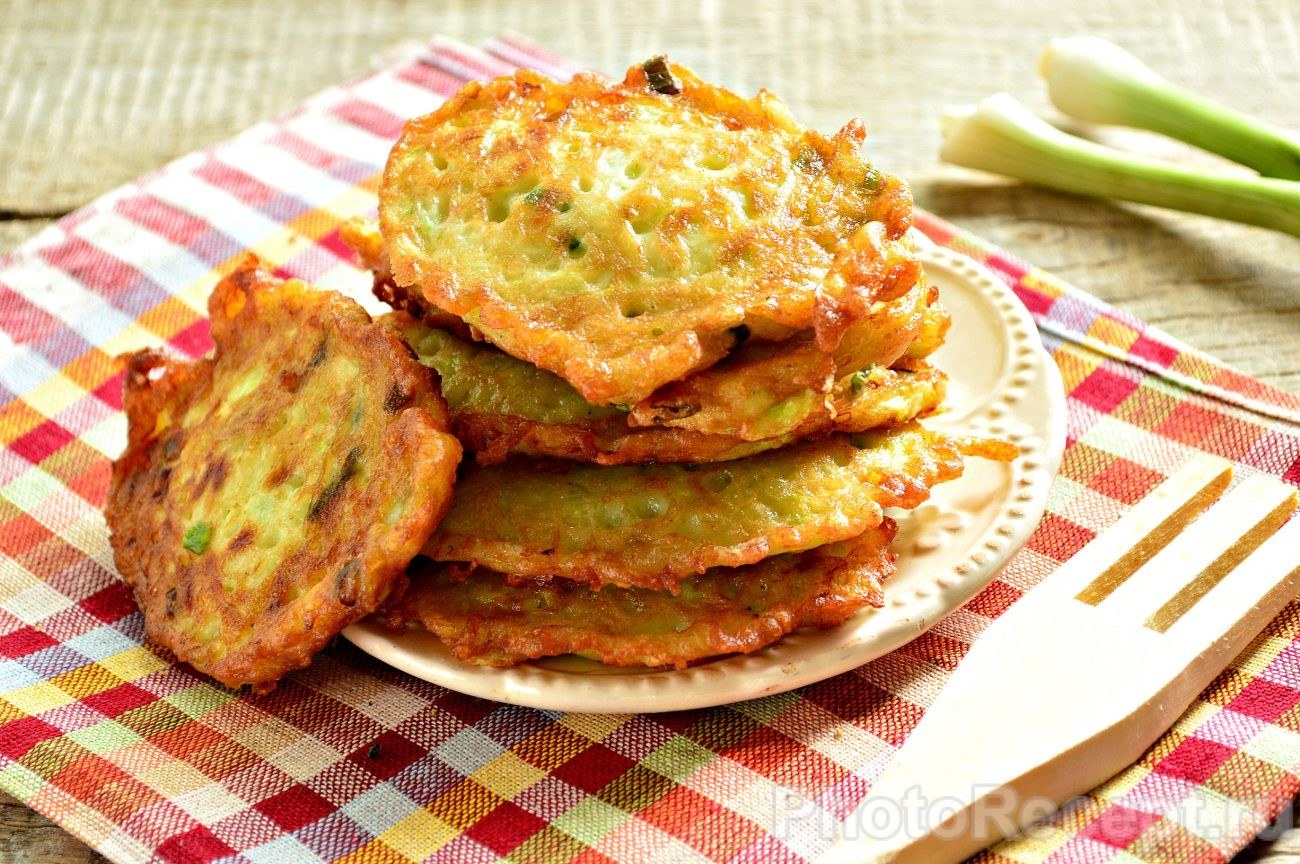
[1176, 578]
[1104, 564]
[1225, 564]
[1258, 588]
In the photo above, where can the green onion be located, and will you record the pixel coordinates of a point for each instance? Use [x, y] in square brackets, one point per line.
[1002, 136]
[858, 380]
[1097, 81]
[197, 537]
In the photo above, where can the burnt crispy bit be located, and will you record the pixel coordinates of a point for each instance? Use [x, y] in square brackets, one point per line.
[660, 77]
[251, 524]
[291, 379]
[322, 351]
[397, 398]
[243, 539]
[214, 473]
[327, 495]
[347, 584]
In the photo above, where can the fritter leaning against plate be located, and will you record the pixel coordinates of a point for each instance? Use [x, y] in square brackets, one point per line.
[273, 493]
[623, 235]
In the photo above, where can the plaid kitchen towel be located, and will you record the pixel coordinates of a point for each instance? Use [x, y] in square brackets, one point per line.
[351, 760]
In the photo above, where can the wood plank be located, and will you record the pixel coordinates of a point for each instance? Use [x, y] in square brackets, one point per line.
[15, 231]
[26, 837]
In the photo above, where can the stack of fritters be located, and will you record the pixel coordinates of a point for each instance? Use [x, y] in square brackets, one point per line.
[685, 339]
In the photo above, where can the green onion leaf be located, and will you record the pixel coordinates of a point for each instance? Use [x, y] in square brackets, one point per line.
[857, 382]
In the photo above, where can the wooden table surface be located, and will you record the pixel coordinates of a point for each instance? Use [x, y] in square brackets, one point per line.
[96, 92]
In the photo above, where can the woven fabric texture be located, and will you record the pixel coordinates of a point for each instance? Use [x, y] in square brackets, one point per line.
[351, 760]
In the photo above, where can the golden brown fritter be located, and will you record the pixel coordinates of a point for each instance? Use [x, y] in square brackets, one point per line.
[488, 621]
[890, 330]
[761, 395]
[501, 405]
[495, 437]
[650, 526]
[876, 398]
[766, 390]
[273, 493]
[362, 236]
[620, 235]
[929, 337]
[762, 390]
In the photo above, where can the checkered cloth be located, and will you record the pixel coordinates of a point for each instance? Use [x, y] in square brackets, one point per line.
[146, 760]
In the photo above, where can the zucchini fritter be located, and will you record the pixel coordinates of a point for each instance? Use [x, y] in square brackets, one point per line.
[650, 526]
[760, 391]
[761, 395]
[875, 398]
[931, 335]
[488, 621]
[621, 235]
[362, 237]
[501, 405]
[274, 492]
[766, 389]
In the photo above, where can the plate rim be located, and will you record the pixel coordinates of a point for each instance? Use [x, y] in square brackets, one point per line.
[720, 682]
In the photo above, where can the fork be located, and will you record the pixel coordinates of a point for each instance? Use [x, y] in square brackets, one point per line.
[1079, 677]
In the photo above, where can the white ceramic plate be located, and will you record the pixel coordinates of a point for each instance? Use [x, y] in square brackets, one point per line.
[1002, 383]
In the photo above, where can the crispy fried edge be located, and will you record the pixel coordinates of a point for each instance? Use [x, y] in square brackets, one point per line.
[493, 437]
[362, 237]
[609, 441]
[703, 401]
[849, 584]
[942, 463]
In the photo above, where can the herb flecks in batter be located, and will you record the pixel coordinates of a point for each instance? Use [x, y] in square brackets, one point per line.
[316, 512]
[197, 537]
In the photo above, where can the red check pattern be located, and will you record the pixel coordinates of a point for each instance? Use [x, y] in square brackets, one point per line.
[351, 760]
